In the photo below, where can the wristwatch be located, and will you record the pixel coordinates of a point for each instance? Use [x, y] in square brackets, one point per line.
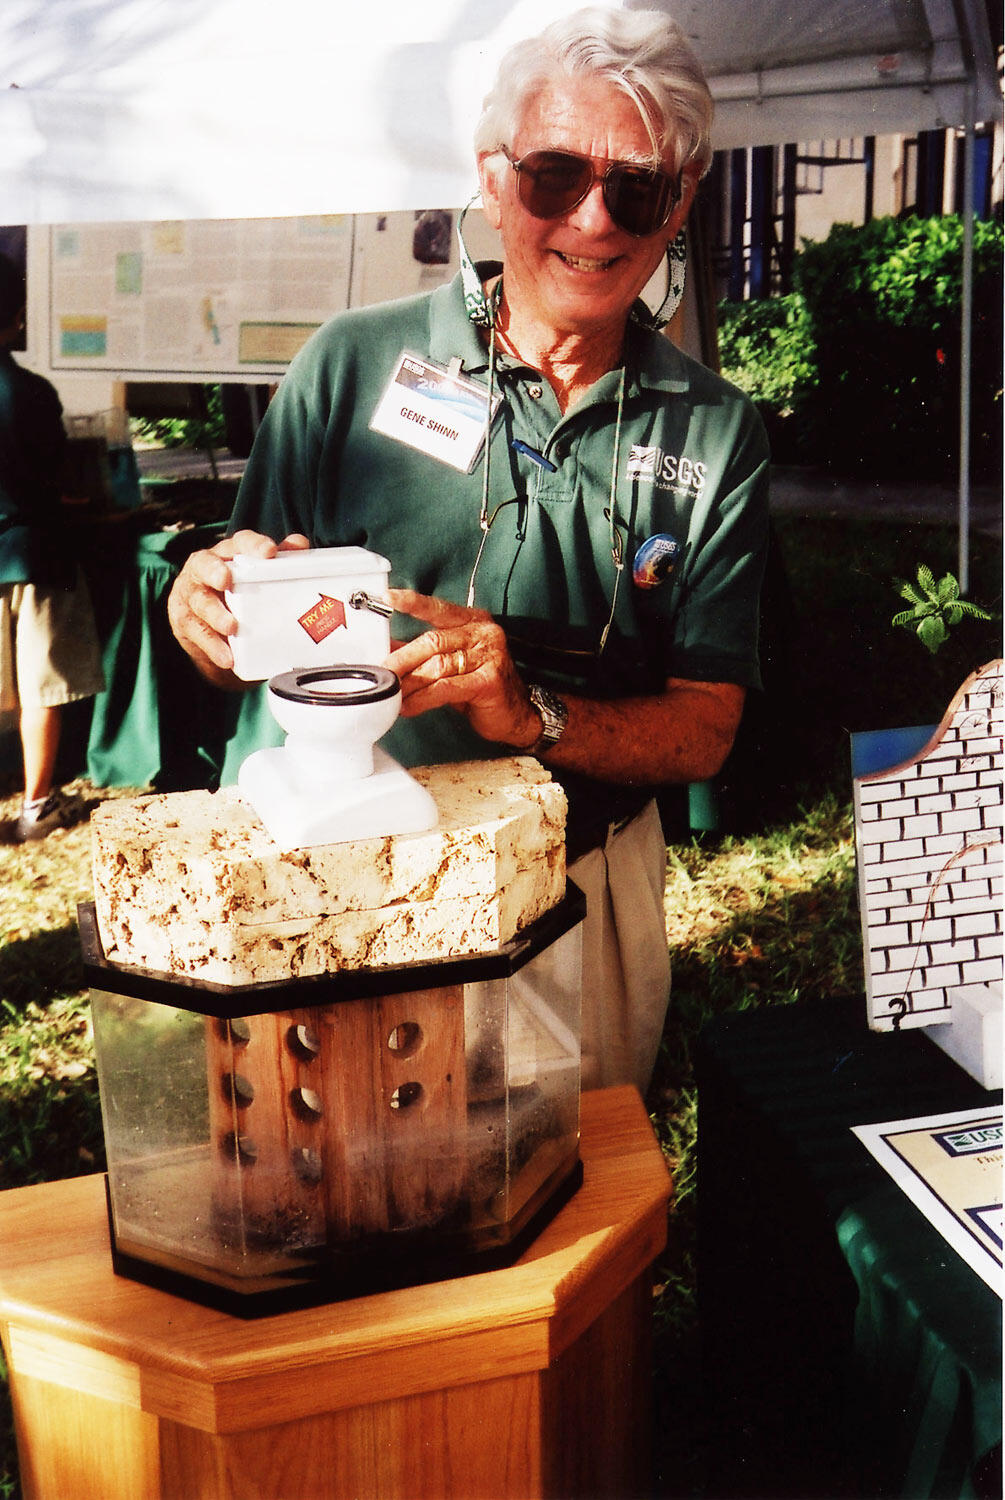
[554, 717]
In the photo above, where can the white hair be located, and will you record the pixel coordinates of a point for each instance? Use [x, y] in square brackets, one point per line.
[641, 52]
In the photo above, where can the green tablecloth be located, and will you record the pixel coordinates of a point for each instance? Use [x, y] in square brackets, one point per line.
[848, 1350]
[928, 1353]
[158, 723]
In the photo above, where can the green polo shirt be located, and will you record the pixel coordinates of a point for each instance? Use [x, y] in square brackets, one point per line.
[691, 464]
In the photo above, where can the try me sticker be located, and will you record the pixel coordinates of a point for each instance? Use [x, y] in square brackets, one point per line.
[322, 618]
[437, 411]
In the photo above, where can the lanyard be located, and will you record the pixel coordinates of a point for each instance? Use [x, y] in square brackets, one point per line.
[486, 521]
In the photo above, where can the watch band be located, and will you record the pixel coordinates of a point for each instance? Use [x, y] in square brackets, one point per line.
[554, 717]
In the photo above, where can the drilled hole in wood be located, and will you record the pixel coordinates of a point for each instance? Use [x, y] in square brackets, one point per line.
[407, 1096]
[307, 1164]
[303, 1042]
[306, 1103]
[238, 1090]
[240, 1148]
[236, 1032]
[405, 1038]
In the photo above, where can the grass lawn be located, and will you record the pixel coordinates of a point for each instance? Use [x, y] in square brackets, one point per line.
[761, 911]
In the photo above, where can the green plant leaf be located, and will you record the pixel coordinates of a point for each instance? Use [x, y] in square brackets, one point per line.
[932, 632]
[926, 579]
[974, 611]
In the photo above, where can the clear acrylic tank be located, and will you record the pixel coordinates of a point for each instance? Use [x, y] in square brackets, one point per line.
[318, 1138]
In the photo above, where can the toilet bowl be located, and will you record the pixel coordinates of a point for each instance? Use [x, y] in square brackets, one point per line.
[330, 782]
[333, 716]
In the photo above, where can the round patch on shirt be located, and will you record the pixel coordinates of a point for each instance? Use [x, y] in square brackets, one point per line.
[655, 560]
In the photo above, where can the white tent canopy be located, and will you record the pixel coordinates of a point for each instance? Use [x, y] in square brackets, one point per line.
[822, 71]
[153, 109]
[199, 109]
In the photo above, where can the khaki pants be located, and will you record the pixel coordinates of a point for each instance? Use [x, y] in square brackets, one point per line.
[626, 962]
[49, 652]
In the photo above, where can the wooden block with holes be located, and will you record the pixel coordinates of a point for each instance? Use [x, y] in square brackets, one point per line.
[338, 1121]
[394, 1085]
[265, 1129]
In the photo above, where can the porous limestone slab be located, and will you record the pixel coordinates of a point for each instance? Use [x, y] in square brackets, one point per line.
[239, 954]
[191, 883]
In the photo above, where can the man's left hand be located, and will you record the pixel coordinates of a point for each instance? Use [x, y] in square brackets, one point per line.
[462, 661]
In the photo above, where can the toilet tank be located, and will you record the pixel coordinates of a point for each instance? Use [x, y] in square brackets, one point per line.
[314, 608]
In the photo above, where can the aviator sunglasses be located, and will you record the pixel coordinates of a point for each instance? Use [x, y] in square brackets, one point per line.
[639, 199]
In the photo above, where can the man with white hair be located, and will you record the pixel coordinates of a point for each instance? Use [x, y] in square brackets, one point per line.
[582, 583]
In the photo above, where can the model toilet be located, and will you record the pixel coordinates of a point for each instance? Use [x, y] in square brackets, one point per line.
[315, 623]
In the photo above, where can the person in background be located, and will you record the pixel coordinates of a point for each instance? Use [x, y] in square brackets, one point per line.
[49, 654]
[580, 580]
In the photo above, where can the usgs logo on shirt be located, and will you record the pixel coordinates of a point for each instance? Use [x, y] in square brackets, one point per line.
[666, 471]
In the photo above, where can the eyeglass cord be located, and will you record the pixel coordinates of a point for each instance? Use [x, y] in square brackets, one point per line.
[485, 521]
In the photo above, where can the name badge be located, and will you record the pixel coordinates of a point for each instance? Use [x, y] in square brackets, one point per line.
[437, 411]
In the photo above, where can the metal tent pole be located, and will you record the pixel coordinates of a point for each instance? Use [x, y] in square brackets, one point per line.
[966, 342]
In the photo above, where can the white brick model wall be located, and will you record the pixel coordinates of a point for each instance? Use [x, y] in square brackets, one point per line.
[929, 835]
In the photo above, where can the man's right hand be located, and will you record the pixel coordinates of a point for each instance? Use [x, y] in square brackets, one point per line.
[197, 610]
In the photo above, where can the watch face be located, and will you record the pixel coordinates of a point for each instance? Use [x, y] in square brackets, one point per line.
[554, 714]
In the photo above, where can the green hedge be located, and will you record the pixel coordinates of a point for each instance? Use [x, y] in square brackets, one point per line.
[858, 368]
[188, 432]
[768, 349]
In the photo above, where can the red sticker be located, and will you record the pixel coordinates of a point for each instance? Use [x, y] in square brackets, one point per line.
[322, 618]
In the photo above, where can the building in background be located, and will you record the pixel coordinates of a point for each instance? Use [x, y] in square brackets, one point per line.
[762, 202]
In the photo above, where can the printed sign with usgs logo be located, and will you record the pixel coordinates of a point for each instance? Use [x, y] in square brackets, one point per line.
[434, 410]
[950, 1166]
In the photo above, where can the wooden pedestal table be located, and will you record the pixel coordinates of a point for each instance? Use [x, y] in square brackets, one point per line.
[529, 1381]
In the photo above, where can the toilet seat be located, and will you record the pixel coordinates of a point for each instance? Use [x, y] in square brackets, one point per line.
[375, 684]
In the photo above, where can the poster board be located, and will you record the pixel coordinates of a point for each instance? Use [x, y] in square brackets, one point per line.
[950, 1166]
[210, 299]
